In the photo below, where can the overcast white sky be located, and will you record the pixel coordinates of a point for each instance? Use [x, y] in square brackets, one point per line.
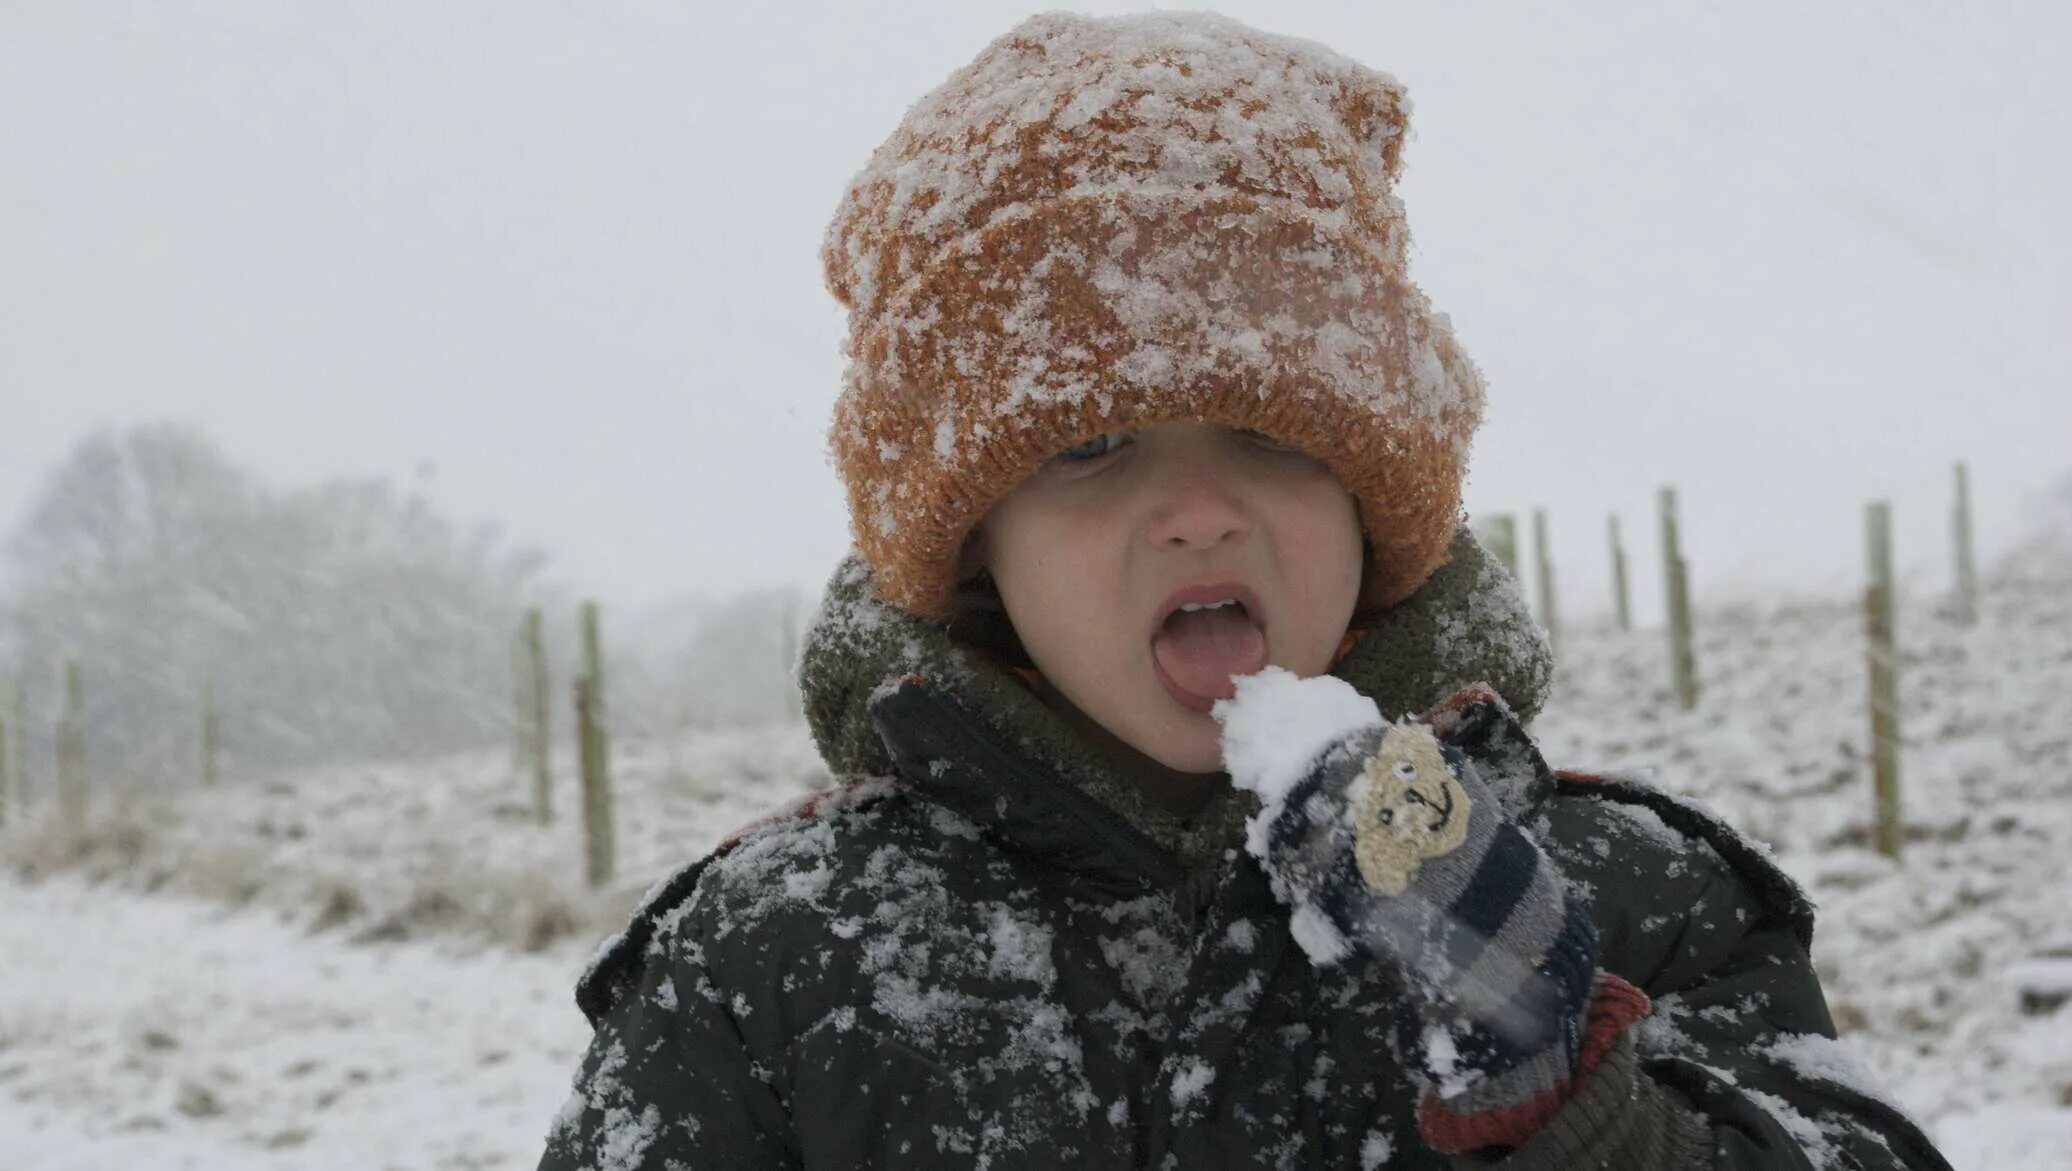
[561, 258]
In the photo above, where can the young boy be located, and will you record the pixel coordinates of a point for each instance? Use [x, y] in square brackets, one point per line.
[1192, 820]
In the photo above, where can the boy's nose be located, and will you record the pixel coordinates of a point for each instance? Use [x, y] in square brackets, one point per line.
[1197, 502]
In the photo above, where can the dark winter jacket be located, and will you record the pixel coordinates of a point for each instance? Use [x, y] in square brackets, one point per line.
[986, 954]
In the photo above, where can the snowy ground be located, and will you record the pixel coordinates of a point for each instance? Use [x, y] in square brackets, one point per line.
[371, 967]
[142, 1031]
[1928, 964]
[368, 967]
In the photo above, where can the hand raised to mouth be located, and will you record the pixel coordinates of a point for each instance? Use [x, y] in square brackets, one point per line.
[1383, 840]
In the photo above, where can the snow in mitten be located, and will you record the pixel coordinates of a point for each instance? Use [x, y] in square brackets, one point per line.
[1381, 838]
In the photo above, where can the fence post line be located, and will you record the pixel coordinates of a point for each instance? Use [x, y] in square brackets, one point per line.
[71, 752]
[594, 750]
[5, 784]
[21, 746]
[1683, 666]
[536, 719]
[1619, 597]
[1880, 621]
[14, 750]
[521, 702]
[1543, 557]
[209, 732]
[1499, 535]
[1967, 568]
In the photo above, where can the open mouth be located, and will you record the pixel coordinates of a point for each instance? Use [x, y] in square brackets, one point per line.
[1207, 635]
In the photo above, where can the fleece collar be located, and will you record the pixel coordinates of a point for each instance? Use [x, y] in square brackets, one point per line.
[887, 693]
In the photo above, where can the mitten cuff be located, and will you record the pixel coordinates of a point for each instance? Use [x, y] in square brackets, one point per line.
[1614, 1007]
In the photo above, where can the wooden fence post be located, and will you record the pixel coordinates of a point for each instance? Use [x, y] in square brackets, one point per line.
[1683, 665]
[1967, 569]
[1880, 621]
[594, 750]
[14, 750]
[5, 760]
[1625, 610]
[21, 747]
[209, 731]
[536, 718]
[1500, 535]
[1543, 556]
[71, 753]
[521, 703]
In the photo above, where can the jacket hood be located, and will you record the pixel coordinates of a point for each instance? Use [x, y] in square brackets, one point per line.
[1466, 625]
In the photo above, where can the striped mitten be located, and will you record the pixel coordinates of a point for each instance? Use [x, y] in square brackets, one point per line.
[1387, 842]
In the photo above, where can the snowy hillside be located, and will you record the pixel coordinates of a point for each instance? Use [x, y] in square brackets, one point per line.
[1928, 964]
[446, 847]
[370, 966]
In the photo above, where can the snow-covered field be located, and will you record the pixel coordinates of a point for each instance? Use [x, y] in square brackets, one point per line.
[370, 967]
[1952, 971]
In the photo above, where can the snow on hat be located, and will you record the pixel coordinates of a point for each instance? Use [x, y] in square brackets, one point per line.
[1101, 224]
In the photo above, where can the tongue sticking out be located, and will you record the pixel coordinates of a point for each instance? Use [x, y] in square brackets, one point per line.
[1200, 650]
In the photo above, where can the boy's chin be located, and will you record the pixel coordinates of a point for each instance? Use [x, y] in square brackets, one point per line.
[1204, 758]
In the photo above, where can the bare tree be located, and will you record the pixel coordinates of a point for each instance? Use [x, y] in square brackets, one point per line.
[339, 620]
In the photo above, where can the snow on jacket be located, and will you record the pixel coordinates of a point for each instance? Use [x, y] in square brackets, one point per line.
[984, 953]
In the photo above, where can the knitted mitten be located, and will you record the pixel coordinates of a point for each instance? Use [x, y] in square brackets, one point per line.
[1382, 839]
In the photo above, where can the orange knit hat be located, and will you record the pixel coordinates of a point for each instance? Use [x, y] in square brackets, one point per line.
[1100, 224]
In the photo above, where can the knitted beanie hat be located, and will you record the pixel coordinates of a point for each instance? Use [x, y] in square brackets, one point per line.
[1101, 224]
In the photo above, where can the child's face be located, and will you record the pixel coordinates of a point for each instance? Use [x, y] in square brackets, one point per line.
[1087, 553]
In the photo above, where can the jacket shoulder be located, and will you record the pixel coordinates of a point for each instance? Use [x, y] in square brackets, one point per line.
[1671, 885]
[789, 857]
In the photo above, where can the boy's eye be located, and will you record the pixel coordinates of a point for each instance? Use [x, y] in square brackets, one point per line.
[1108, 444]
[1096, 447]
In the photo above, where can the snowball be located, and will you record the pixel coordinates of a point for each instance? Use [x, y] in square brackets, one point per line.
[1279, 723]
